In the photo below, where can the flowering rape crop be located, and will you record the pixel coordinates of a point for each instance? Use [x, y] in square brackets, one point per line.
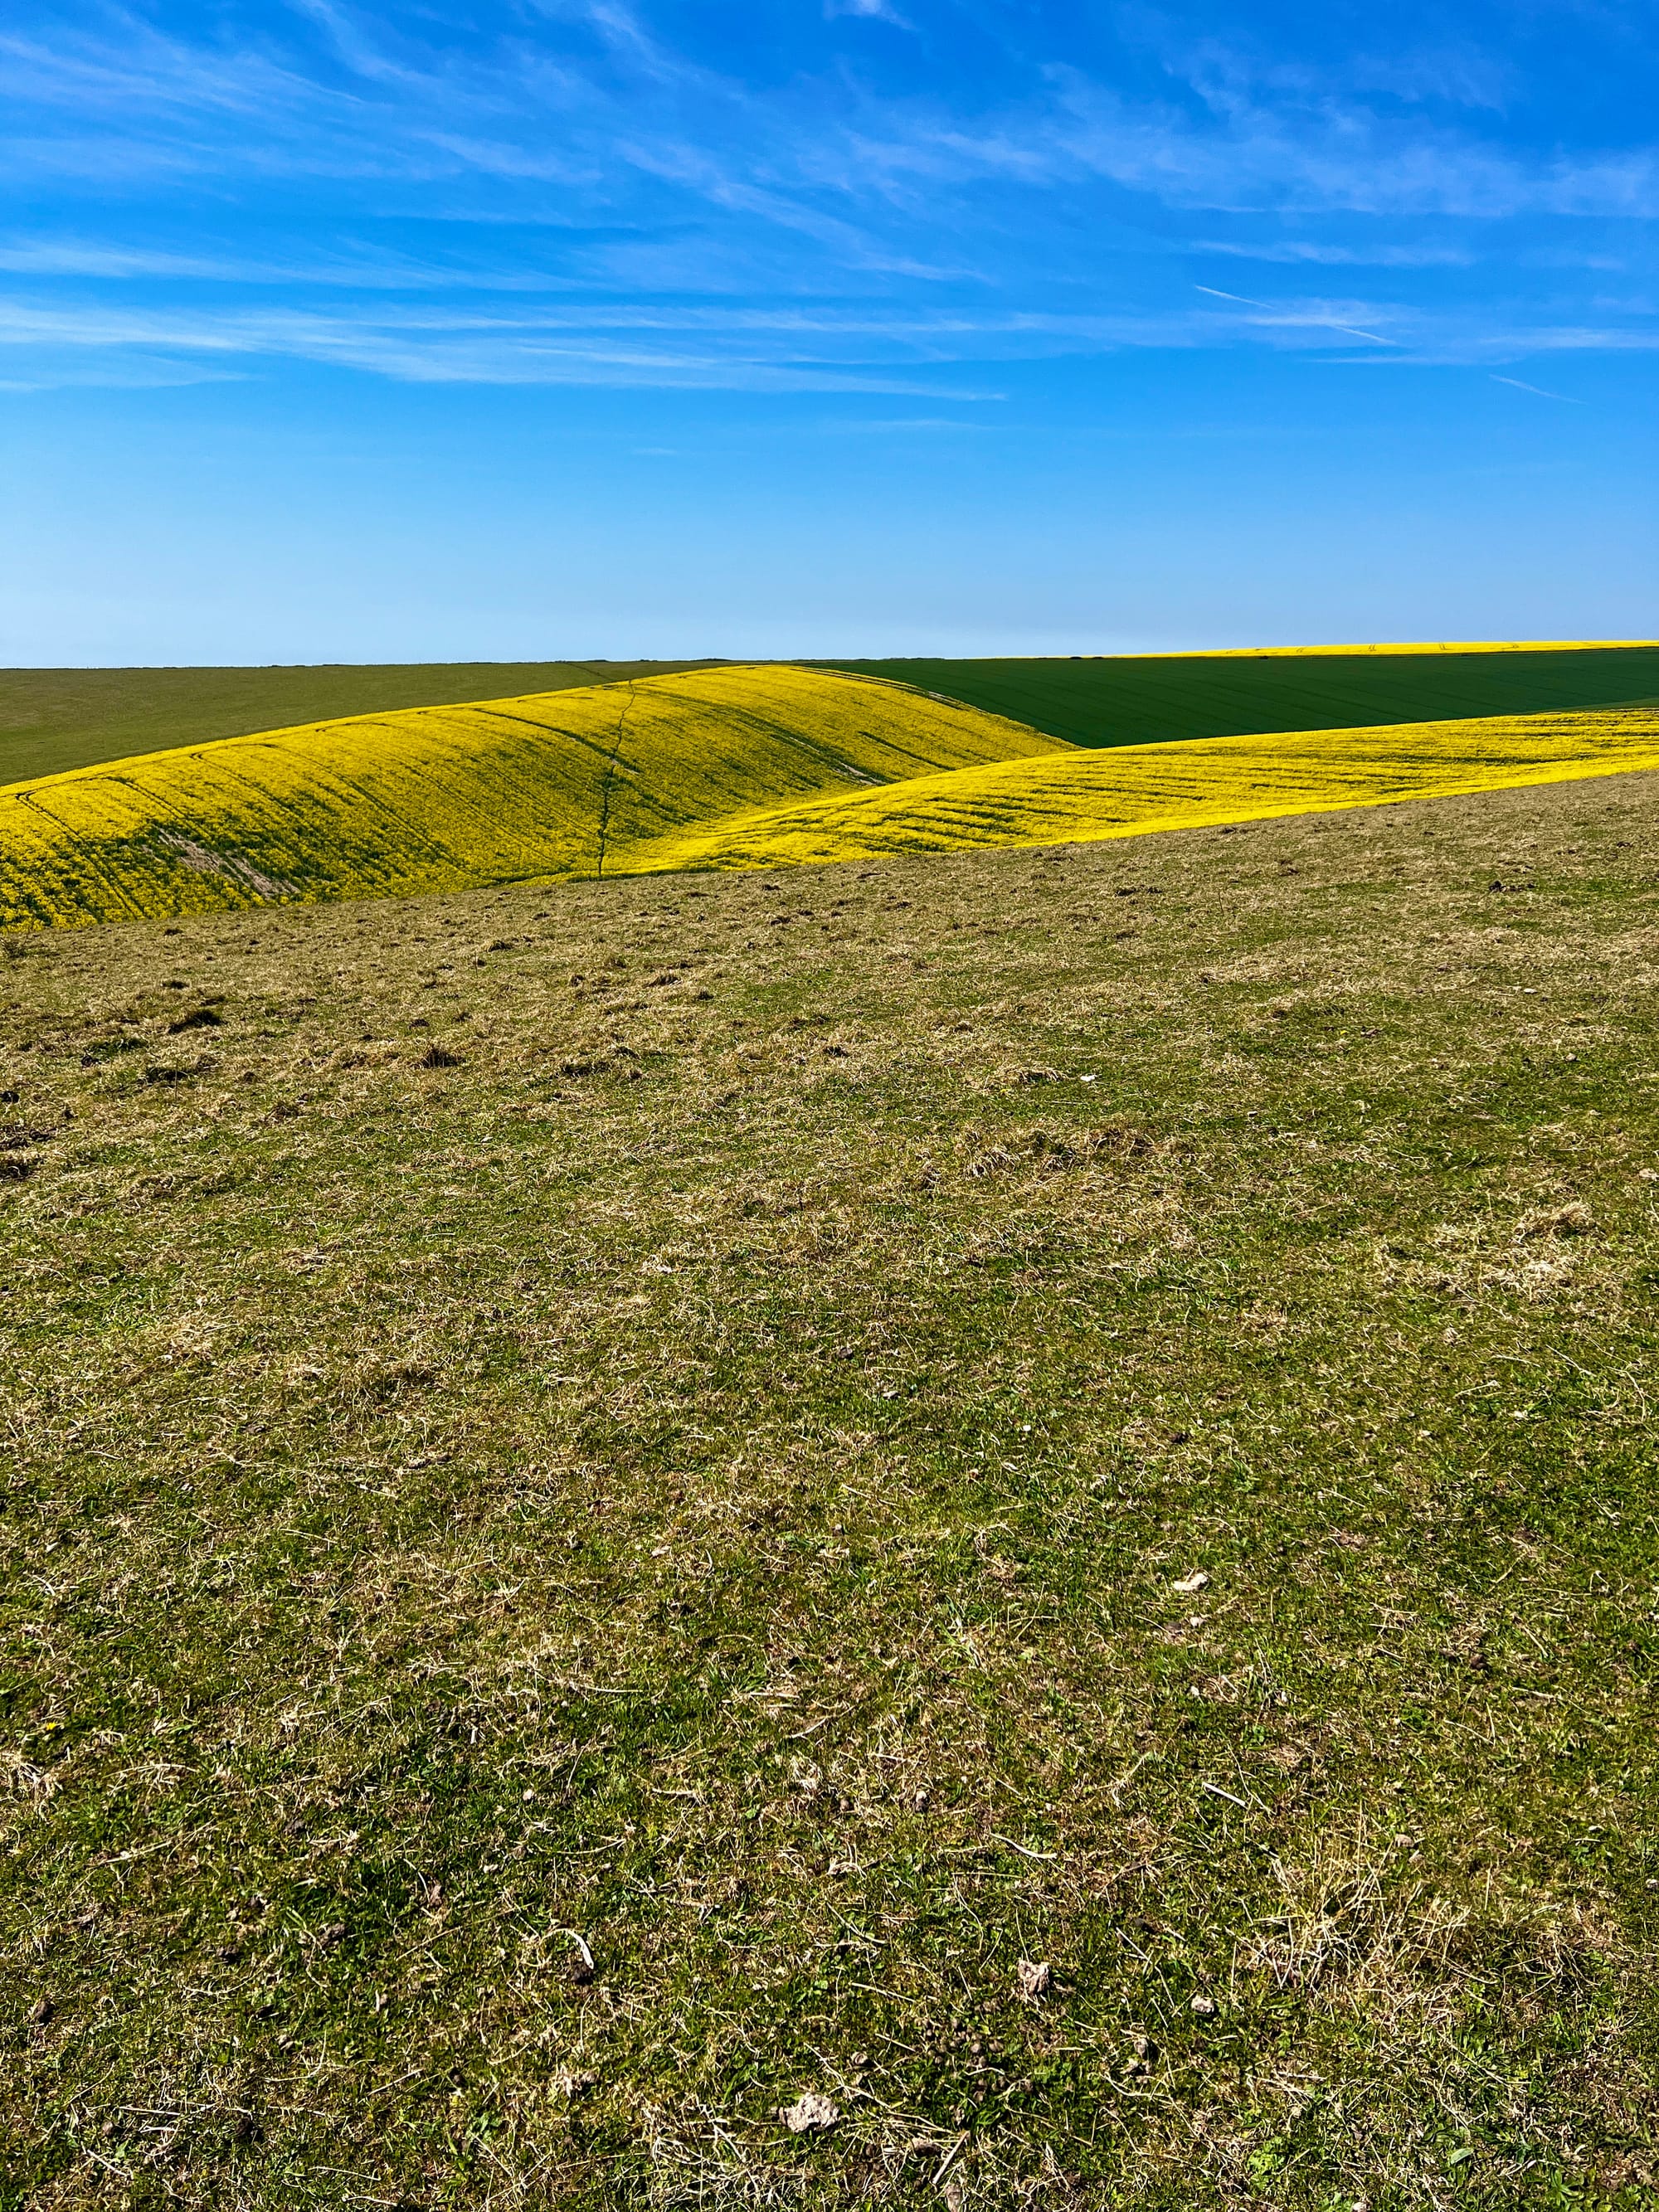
[559, 784]
[1072, 795]
[721, 767]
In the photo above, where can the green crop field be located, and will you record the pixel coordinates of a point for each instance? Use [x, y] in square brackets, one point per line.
[1011, 1490]
[53, 718]
[1145, 699]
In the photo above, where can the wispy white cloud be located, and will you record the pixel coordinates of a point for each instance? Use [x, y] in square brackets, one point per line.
[1537, 390]
[63, 256]
[899, 426]
[1336, 158]
[874, 11]
[752, 352]
[661, 177]
[1306, 252]
[370, 270]
[903, 353]
[1300, 315]
[387, 103]
[120, 373]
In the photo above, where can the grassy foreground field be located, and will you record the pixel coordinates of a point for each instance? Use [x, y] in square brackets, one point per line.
[56, 719]
[1138, 699]
[621, 1499]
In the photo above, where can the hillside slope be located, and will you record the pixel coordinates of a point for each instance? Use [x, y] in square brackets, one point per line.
[1074, 796]
[444, 797]
[1146, 698]
[52, 720]
[584, 1554]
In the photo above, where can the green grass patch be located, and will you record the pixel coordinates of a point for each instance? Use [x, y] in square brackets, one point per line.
[621, 1499]
[1141, 699]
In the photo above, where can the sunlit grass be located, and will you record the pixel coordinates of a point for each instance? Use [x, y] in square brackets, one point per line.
[814, 1437]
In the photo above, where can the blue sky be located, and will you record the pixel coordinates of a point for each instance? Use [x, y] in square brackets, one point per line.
[465, 329]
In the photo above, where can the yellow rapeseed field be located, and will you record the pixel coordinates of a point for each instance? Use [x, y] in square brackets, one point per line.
[726, 767]
[1071, 795]
[560, 784]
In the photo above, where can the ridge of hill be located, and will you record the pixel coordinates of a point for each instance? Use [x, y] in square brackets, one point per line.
[441, 798]
[1078, 797]
[52, 720]
[1147, 699]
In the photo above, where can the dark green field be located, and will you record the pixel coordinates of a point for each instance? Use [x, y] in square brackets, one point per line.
[52, 719]
[1137, 700]
[618, 1499]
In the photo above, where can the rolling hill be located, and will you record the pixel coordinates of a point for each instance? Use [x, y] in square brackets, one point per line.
[1146, 698]
[727, 767]
[443, 798]
[52, 720]
[1069, 797]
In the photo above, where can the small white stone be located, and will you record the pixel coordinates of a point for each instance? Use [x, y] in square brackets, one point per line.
[1033, 1977]
[808, 2111]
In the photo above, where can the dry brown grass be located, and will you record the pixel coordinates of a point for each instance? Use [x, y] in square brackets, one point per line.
[713, 1465]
